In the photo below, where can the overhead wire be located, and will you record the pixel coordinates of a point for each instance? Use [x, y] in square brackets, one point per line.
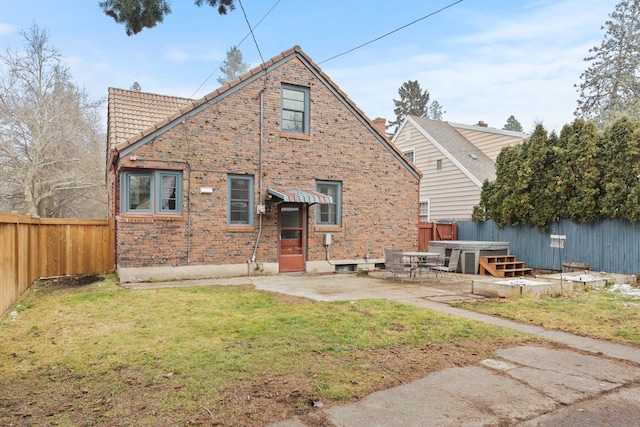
[391, 32]
[251, 31]
[215, 70]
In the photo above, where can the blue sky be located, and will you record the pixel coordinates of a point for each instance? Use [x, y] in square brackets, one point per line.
[481, 59]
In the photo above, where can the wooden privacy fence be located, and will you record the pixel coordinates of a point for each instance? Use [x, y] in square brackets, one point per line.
[31, 248]
[435, 231]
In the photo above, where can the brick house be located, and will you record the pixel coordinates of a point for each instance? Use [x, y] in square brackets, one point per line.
[277, 171]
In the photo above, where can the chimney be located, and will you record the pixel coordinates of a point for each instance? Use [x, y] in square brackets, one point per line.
[380, 124]
[481, 123]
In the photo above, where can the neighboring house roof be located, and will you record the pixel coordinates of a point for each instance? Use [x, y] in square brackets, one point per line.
[130, 112]
[490, 140]
[476, 165]
[488, 129]
[129, 134]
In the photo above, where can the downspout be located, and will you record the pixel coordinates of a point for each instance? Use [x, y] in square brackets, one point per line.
[188, 213]
[187, 156]
[115, 160]
[260, 184]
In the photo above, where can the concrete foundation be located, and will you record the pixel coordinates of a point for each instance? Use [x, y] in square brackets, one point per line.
[502, 288]
[580, 280]
[191, 272]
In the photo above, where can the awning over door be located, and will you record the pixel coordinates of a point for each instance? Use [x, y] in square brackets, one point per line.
[299, 196]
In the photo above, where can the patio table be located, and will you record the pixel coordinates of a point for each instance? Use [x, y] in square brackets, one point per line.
[419, 260]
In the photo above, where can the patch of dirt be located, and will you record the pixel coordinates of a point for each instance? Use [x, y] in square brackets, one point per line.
[123, 396]
[67, 282]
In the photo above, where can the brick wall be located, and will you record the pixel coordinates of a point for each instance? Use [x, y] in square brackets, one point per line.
[379, 195]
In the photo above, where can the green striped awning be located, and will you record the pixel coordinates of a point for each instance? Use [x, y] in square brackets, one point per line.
[300, 196]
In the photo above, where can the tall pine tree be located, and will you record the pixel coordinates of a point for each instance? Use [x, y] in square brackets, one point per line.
[512, 124]
[414, 102]
[611, 85]
[233, 66]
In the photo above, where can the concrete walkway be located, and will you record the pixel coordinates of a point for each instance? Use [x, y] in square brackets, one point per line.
[593, 383]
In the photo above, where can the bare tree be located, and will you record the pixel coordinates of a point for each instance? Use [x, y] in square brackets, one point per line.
[51, 157]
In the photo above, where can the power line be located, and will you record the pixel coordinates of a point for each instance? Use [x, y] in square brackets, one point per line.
[391, 32]
[251, 31]
[215, 70]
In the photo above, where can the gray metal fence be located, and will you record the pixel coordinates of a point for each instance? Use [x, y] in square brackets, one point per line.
[611, 246]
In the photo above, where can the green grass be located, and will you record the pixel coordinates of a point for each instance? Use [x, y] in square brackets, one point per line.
[595, 313]
[102, 355]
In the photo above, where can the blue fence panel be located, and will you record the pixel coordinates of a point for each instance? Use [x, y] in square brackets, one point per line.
[611, 246]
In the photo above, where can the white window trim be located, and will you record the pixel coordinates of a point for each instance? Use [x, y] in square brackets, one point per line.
[413, 154]
[428, 203]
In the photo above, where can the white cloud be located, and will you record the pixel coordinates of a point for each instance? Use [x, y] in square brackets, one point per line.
[525, 65]
[6, 29]
[177, 55]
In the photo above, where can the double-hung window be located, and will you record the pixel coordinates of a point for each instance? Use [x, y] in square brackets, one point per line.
[410, 154]
[329, 213]
[149, 192]
[240, 200]
[425, 214]
[294, 109]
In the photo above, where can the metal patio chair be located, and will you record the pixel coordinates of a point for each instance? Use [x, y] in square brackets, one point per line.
[442, 270]
[394, 263]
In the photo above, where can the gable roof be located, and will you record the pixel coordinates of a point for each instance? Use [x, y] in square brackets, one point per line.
[131, 111]
[476, 165]
[137, 133]
[489, 130]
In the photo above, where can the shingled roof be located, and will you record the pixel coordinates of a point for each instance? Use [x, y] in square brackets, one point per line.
[457, 147]
[129, 123]
[130, 112]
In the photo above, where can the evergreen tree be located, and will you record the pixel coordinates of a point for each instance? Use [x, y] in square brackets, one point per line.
[512, 124]
[233, 66]
[502, 200]
[538, 205]
[610, 85]
[413, 101]
[579, 177]
[136, 87]
[140, 14]
[435, 111]
[583, 175]
[621, 170]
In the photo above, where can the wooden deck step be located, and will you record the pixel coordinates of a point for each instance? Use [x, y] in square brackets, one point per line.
[503, 266]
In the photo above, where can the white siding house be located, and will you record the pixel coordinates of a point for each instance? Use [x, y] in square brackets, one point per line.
[489, 140]
[454, 159]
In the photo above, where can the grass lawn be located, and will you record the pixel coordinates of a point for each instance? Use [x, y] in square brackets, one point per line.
[79, 353]
[605, 314]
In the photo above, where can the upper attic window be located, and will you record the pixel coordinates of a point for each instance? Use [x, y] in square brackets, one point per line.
[410, 154]
[295, 109]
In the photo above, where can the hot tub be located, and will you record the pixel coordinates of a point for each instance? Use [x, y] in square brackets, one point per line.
[471, 251]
